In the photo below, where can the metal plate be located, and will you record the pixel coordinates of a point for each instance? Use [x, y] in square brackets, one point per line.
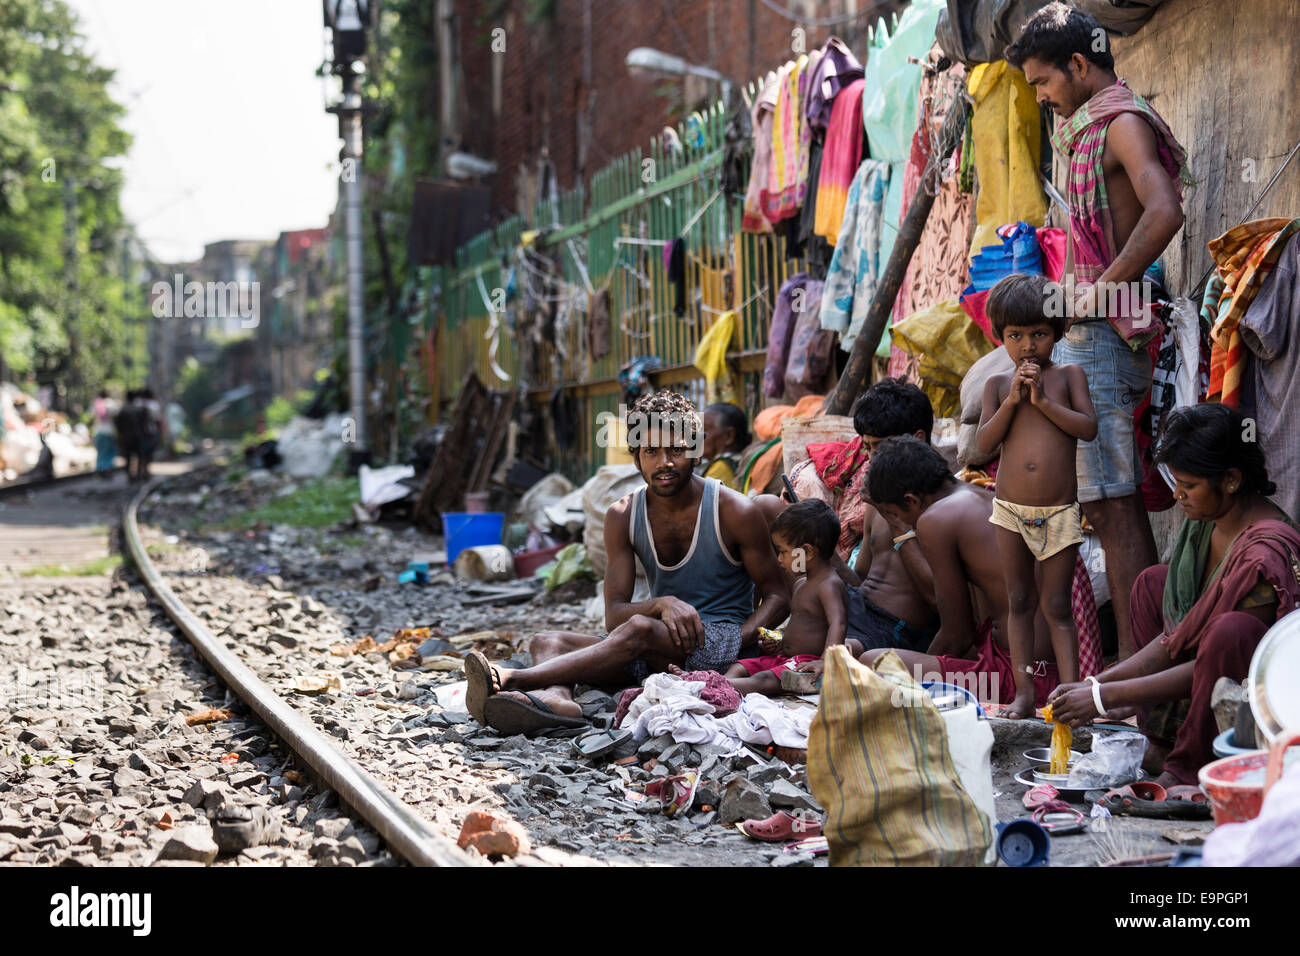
[1274, 679]
[1073, 795]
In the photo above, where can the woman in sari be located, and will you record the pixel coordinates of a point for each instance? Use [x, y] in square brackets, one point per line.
[1234, 571]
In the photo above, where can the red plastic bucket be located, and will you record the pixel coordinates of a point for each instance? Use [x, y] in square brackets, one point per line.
[1236, 785]
[526, 564]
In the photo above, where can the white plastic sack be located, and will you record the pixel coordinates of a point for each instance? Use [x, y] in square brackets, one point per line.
[308, 447]
[970, 744]
[608, 485]
[379, 486]
[533, 505]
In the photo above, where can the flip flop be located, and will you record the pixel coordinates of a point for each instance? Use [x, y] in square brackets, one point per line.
[511, 716]
[593, 746]
[482, 680]
[1059, 818]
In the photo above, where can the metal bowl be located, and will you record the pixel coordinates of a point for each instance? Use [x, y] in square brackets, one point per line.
[1043, 755]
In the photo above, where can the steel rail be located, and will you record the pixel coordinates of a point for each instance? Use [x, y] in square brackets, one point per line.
[407, 834]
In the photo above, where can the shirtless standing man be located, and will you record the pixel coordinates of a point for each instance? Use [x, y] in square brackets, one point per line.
[912, 484]
[1124, 197]
[704, 548]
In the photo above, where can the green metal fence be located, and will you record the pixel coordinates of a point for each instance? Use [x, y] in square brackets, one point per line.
[610, 238]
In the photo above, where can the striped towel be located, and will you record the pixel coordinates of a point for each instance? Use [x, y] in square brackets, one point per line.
[1243, 256]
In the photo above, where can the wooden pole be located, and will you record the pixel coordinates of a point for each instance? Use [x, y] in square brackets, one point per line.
[840, 400]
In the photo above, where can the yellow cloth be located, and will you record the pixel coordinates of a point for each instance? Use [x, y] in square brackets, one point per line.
[1062, 738]
[947, 343]
[1045, 529]
[1008, 147]
[711, 360]
[721, 469]
[878, 761]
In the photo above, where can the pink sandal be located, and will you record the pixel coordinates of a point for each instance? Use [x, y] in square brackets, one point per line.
[781, 826]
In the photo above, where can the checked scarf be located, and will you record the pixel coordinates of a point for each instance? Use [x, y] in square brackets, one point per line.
[1082, 137]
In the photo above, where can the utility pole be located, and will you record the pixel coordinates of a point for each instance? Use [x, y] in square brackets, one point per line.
[348, 21]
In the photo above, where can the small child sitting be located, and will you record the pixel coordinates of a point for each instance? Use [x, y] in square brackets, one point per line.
[804, 536]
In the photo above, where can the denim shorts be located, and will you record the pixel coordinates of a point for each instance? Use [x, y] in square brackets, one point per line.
[1119, 379]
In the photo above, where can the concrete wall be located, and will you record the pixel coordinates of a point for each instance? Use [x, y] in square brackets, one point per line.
[1222, 74]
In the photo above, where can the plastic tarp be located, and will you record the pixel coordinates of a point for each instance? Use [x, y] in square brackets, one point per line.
[889, 106]
[977, 31]
[1007, 134]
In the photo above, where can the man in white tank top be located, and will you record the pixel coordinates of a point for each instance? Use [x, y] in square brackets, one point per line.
[691, 535]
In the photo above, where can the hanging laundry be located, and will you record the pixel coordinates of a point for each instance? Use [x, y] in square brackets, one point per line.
[837, 69]
[938, 270]
[807, 245]
[779, 337]
[598, 326]
[1082, 138]
[634, 377]
[893, 83]
[790, 140]
[812, 349]
[1008, 148]
[675, 264]
[855, 267]
[1176, 378]
[1243, 256]
[1272, 390]
[720, 384]
[841, 156]
[753, 220]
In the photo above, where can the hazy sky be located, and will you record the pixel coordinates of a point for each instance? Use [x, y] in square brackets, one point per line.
[231, 140]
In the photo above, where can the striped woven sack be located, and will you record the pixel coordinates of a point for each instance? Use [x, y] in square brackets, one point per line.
[878, 762]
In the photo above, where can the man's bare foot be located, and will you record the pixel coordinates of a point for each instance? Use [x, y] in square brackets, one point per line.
[1167, 780]
[560, 705]
[1018, 709]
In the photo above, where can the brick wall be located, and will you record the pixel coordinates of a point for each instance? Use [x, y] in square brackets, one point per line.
[544, 98]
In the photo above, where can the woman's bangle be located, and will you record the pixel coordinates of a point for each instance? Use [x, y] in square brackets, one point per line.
[1096, 695]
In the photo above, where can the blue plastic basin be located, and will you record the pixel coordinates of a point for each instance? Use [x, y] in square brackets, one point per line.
[465, 530]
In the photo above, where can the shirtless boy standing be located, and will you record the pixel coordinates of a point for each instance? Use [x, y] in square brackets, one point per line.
[804, 537]
[1038, 414]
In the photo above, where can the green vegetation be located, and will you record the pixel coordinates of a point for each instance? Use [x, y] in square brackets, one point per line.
[64, 306]
[96, 567]
[99, 566]
[317, 504]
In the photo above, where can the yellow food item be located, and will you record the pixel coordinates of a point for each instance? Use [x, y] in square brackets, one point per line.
[1062, 738]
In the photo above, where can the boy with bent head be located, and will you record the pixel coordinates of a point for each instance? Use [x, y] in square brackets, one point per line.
[1038, 414]
[910, 482]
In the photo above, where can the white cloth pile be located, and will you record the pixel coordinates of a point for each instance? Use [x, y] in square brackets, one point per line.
[670, 705]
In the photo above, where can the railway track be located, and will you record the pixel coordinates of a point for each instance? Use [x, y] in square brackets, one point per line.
[407, 834]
